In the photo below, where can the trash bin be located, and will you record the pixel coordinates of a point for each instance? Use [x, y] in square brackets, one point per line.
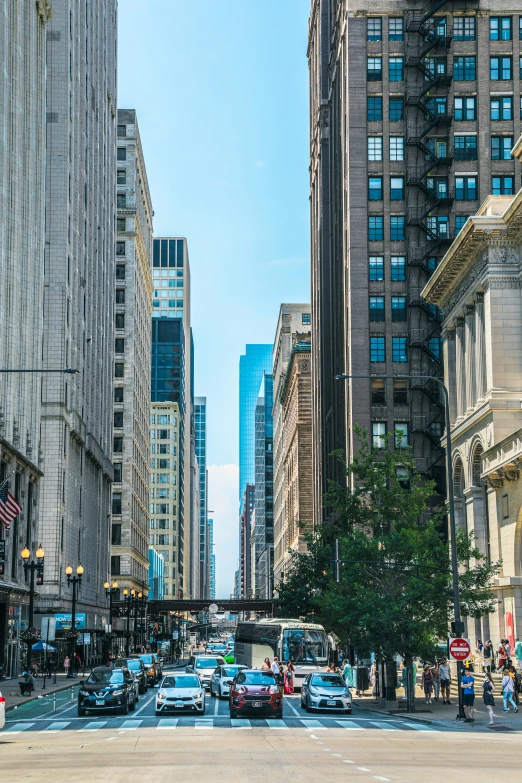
[363, 679]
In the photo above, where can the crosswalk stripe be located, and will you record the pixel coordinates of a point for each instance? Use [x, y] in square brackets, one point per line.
[420, 727]
[94, 725]
[204, 723]
[55, 726]
[167, 723]
[241, 723]
[384, 726]
[130, 725]
[276, 723]
[18, 727]
[350, 725]
[313, 724]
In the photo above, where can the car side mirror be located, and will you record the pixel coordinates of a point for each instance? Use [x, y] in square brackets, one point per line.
[82, 682]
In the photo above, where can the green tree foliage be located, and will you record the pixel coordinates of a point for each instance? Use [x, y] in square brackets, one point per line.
[395, 595]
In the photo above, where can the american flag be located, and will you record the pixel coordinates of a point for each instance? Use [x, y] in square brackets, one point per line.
[9, 507]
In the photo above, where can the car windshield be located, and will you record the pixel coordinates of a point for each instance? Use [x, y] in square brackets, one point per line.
[230, 671]
[105, 677]
[134, 665]
[328, 681]
[180, 682]
[148, 660]
[255, 678]
[207, 663]
[301, 645]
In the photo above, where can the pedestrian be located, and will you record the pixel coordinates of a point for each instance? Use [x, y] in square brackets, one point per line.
[27, 684]
[517, 680]
[289, 678]
[445, 680]
[266, 665]
[348, 673]
[518, 653]
[330, 669]
[502, 657]
[373, 678]
[508, 690]
[67, 665]
[468, 685]
[77, 663]
[436, 681]
[427, 683]
[276, 668]
[488, 688]
[487, 656]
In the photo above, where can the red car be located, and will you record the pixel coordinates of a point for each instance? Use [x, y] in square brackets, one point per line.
[257, 691]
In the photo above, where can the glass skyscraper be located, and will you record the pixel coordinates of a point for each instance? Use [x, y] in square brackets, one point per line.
[253, 364]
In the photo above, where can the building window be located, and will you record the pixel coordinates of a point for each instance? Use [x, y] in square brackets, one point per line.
[465, 188]
[464, 109]
[120, 228]
[122, 130]
[121, 177]
[121, 200]
[520, 68]
[396, 147]
[375, 228]
[162, 419]
[399, 349]
[460, 220]
[306, 319]
[398, 268]
[120, 272]
[374, 69]
[119, 345]
[120, 296]
[378, 391]
[438, 227]
[399, 311]
[464, 28]
[115, 565]
[465, 147]
[501, 147]
[120, 248]
[505, 506]
[163, 434]
[464, 69]
[500, 28]
[396, 228]
[374, 109]
[117, 446]
[500, 69]
[396, 107]
[118, 473]
[435, 348]
[400, 392]
[377, 349]
[116, 535]
[396, 69]
[118, 394]
[116, 502]
[375, 188]
[374, 28]
[121, 153]
[376, 308]
[374, 147]
[401, 434]
[397, 188]
[118, 419]
[502, 186]
[376, 268]
[120, 321]
[501, 109]
[118, 369]
[378, 434]
[395, 28]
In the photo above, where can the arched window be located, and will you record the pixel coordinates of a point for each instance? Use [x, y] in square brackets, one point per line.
[458, 479]
[476, 466]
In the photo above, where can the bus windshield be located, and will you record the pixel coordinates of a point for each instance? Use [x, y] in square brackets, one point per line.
[301, 645]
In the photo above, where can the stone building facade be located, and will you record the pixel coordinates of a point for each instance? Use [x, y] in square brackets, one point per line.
[132, 348]
[478, 288]
[293, 318]
[79, 286]
[23, 43]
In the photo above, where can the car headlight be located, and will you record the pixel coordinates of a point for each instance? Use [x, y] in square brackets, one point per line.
[83, 693]
[161, 695]
[346, 693]
[199, 696]
[313, 692]
[117, 693]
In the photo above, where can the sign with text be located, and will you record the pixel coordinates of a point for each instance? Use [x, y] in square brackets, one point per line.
[64, 621]
[459, 649]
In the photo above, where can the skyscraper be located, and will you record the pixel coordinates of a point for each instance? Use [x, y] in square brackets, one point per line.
[79, 294]
[244, 579]
[412, 124]
[131, 442]
[212, 584]
[200, 422]
[262, 523]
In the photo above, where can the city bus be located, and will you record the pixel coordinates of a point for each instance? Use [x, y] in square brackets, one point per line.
[305, 644]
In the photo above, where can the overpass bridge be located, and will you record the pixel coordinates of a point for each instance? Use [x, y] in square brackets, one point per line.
[195, 605]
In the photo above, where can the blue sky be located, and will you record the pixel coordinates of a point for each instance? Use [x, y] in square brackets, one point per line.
[221, 92]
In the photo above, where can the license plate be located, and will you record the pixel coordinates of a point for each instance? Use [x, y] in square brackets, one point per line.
[100, 702]
[257, 704]
[179, 704]
[331, 702]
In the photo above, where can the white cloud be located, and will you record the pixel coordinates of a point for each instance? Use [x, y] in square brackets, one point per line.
[223, 499]
[259, 164]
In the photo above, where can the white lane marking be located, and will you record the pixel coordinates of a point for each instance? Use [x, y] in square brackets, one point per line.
[363, 769]
[110, 738]
[326, 750]
[167, 723]
[18, 727]
[419, 727]
[130, 725]
[146, 704]
[337, 755]
[345, 724]
[292, 708]
[385, 726]
[54, 727]
[313, 736]
[378, 777]
[346, 761]
[203, 723]
[276, 723]
[241, 723]
[313, 725]
[94, 726]
[216, 706]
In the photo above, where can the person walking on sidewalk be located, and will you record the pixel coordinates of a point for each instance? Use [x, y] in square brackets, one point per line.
[502, 656]
[487, 656]
[508, 689]
[518, 653]
[467, 683]
[67, 665]
[488, 688]
[427, 683]
[436, 681]
[445, 680]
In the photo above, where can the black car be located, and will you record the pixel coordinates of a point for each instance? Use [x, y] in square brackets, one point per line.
[107, 689]
[137, 667]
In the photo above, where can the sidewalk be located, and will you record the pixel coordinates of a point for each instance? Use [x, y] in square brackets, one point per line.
[63, 683]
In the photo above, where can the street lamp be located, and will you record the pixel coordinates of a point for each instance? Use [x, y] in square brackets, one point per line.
[128, 598]
[458, 624]
[75, 581]
[31, 567]
[110, 592]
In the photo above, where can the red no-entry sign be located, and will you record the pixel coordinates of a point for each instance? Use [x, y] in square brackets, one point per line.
[459, 649]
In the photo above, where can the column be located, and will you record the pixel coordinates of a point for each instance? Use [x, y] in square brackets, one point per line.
[460, 367]
[470, 368]
[448, 336]
[480, 347]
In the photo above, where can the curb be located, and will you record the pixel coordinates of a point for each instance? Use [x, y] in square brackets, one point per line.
[409, 715]
[37, 697]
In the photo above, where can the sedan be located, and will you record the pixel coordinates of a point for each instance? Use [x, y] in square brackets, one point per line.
[256, 691]
[204, 666]
[222, 680]
[152, 667]
[180, 692]
[322, 691]
[107, 689]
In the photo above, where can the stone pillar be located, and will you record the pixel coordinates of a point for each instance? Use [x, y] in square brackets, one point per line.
[480, 349]
[469, 359]
[448, 336]
[476, 517]
[460, 367]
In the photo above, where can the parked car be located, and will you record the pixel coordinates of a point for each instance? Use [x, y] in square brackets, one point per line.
[222, 679]
[180, 692]
[321, 691]
[107, 689]
[204, 666]
[137, 667]
[152, 666]
[2, 711]
[254, 690]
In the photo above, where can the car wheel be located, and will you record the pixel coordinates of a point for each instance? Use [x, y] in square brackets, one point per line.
[279, 714]
[232, 715]
[131, 709]
[203, 710]
[125, 707]
[81, 713]
[158, 714]
[348, 712]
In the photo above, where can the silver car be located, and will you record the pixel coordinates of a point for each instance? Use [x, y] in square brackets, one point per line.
[321, 691]
[204, 666]
[222, 679]
[179, 693]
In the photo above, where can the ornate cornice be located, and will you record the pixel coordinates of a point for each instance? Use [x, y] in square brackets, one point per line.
[44, 10]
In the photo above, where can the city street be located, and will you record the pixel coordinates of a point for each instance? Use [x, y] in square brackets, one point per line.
[366, 746]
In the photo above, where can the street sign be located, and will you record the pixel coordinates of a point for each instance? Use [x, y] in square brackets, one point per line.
[459, 649]
[175, 634]
[64, 621]
[49, 628]
[213, 608]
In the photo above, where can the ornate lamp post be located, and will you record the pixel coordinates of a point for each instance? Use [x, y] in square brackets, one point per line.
[128, 598]
[75, 581]
[31, 567]
[110, 592]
